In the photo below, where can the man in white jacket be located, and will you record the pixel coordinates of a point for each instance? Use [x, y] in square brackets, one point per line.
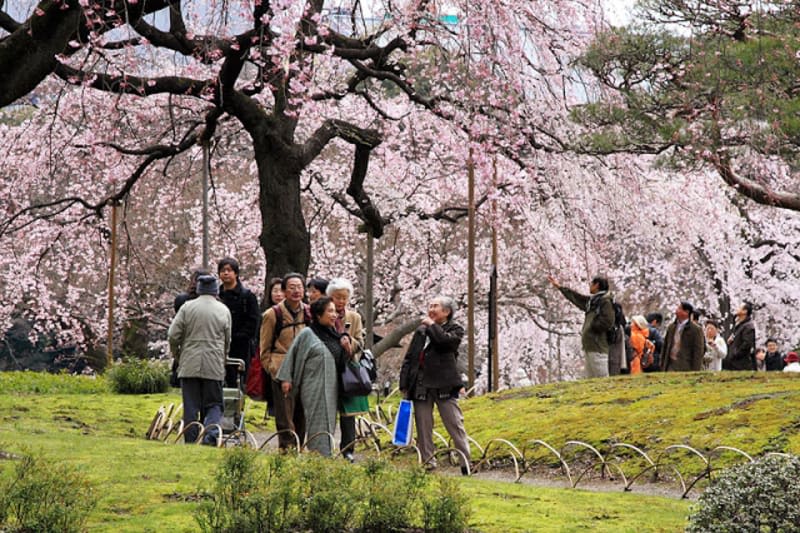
[199, 339]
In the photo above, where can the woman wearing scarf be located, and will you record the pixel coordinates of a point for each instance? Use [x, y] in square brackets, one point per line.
[349, 324]
[310, 371]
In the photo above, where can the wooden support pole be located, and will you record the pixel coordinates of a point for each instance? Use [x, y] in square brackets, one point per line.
[471, 272]
[112, 270]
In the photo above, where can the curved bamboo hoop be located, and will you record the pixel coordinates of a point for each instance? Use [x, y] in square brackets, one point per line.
[151, 430]
[173, 428]
[398, 449]
[206, 430]
[448, 451]
[602, 463]
[564, 465]
[352, 445]
[186, 428]
[650, 464]
[514, 454]
[684, 487]
[717, 451]
[318, 435]
[475, 443]
[281, 432]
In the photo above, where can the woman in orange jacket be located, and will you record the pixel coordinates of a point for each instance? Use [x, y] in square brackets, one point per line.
[642, 348]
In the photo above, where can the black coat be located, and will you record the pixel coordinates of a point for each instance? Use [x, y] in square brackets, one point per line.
[438, 370]
[742, 347]
[774, 361]
[245, 316]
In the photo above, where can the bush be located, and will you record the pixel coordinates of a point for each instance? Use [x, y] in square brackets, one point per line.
[758, 496]
[259, 493]
[389, 495]
[139, 376]
[448, 511]
[45, 496]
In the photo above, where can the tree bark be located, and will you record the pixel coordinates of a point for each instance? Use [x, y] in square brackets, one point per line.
[284, 235]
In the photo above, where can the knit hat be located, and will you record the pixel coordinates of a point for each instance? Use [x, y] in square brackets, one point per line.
[640, 321]
[207, 285]
[792, 357]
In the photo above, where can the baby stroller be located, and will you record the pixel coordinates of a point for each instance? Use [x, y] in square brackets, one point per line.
[233, 431]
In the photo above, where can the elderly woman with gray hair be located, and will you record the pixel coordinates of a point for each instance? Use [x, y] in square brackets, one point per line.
[348, 324]
[429, 376]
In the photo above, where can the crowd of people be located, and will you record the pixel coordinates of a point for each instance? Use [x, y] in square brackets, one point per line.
[305, 337]
[611, 345]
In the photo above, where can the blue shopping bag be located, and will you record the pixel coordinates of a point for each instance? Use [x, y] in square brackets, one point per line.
[402, 424]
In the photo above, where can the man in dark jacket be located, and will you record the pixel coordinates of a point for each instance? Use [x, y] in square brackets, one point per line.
[773, 359]
[742, 343]
[655, 320]
[598, 307]
[243, 306]
[429, 376]
[684, 342]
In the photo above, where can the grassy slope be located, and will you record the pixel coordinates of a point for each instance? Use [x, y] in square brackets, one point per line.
[150, 486]
[754, 412]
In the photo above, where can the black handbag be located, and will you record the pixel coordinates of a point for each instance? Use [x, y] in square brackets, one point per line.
[355, 380]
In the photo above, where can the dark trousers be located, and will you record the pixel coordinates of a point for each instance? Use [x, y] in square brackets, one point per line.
[347, 427]
[288, 415]
[202, 400]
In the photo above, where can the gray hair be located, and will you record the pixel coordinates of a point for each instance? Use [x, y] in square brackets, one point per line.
[338, 284]
[448, 303]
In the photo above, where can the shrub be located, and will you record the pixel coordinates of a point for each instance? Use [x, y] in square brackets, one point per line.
[259, 493]
[251, 497]
[758, 496]
[45, 496]
[389, 495]
[448, 511]
[139, 376]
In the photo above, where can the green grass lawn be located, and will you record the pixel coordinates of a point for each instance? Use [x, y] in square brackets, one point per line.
[152, 486]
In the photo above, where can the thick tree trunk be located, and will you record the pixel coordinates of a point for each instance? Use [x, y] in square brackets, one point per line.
[284, 235]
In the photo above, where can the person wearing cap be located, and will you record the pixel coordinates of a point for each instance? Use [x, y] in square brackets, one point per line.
[684, 345]
[643, 348]
[315, 289]
[199, 339]
[792, 362]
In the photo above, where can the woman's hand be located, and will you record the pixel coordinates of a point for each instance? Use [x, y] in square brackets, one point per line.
[345, 342]
[286, 387]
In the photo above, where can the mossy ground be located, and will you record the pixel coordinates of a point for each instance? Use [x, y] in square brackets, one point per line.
[151, 486]
[755, 412]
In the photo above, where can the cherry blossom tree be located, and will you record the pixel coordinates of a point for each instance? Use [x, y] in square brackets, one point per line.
[709, 84]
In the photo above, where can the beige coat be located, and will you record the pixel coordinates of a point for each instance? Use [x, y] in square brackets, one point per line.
[356, 332]
[272, 356]
[199, 338]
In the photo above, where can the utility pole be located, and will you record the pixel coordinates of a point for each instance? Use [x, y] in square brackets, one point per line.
[368, 298]
[112, 270]
[493, 339]
[471, 271]
[206, 164]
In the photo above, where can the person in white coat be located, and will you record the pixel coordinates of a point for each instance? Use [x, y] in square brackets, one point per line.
[716, 348]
